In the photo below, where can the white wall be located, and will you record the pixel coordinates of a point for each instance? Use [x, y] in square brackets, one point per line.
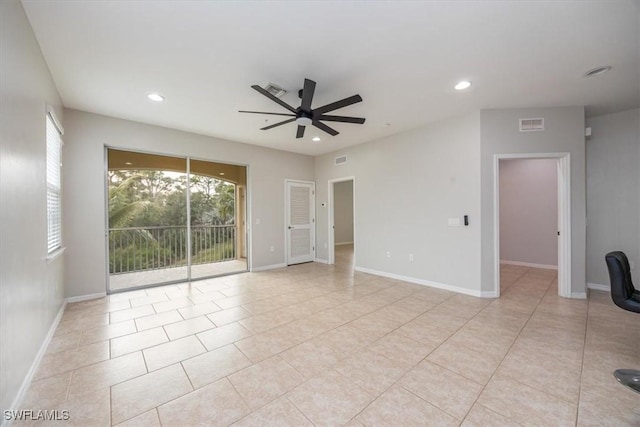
[31, 291]
[564, 132]
[613, 197]
[343, 212]
[529, 211]
[84, 180]
[407, 186]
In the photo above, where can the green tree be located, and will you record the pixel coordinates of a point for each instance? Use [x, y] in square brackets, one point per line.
[124, 208]
[224, 202]
[154, 184]
[144, 200]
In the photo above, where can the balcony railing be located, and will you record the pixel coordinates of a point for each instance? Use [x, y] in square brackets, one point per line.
[151, 248]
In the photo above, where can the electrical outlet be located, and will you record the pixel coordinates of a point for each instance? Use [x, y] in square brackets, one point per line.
[325, 245]
[272, 249]
[257, 221]
[388, 254]
[632, 265]
[410, 257]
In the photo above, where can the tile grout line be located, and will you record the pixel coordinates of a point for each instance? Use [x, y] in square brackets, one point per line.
[68, 392]
[584, 349]
[331, 367]
[337, 289]
[431, 352]
[164, 403]
[420, 361]
[111, 405]
[226, 377]
[298, 409]
[563, 398]
[509, 350]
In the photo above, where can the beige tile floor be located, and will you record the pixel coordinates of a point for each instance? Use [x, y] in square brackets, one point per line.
[320, 345]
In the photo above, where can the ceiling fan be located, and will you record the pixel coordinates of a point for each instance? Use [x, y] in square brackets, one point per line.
[304, 115]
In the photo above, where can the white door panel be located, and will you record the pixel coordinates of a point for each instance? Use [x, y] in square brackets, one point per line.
[300, 222]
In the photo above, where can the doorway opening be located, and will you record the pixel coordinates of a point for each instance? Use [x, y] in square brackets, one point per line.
[341, 241]
[172, 219]
[532, 223]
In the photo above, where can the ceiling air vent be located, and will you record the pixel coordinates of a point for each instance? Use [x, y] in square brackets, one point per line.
[531, 125]
[341, 160]
[275, 90]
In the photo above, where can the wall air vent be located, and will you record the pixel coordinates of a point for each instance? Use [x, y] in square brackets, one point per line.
[275, 90]
[341, 160]
[531, 125]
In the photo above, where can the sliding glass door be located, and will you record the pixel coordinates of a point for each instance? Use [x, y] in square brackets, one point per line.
[172, 219]
[216, 228]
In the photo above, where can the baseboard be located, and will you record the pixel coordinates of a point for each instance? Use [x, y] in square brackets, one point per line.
[86, 297]
[579, 295]
[321, 261]
[15, 405]
[423, 282]
[529, 264]
[598, 287]
[344, 243]
[268, 267]
[488, 294]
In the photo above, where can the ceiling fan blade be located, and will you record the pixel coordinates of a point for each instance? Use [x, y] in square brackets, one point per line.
[264, 112]
[325, 128]
[273, 98]
[338, 104]
[300, 132]
[343, 119]
[307, 94]
[278, 124]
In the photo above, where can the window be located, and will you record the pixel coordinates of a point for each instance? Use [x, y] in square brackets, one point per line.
[54, 185]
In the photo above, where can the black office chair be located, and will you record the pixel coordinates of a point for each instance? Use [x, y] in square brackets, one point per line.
[625, 296]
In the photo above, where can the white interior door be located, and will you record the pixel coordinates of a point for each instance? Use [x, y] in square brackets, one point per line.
[300, 221]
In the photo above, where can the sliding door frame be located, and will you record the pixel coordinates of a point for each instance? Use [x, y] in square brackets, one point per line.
[248, 239]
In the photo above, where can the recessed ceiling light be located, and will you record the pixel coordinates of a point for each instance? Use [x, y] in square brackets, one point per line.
[155, 97]
[221, 173]
[316, 139]
[387, 124]
[597, 71]
[128, 163]
[462, 85]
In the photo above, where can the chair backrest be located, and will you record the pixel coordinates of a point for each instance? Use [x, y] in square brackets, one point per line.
[620, 278]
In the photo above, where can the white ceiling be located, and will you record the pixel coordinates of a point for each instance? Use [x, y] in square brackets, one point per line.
[402, 57]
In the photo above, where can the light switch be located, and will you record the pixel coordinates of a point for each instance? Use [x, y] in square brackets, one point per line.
[454, 222]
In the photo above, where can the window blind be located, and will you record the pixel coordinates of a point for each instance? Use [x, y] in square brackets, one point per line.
[54, 187]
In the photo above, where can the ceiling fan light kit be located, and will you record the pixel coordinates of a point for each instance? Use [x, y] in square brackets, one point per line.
[304, 115]
[304, 121]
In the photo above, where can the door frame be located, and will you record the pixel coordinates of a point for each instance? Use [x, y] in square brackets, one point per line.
[331, 253]
[564, 216]
[286, 218]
